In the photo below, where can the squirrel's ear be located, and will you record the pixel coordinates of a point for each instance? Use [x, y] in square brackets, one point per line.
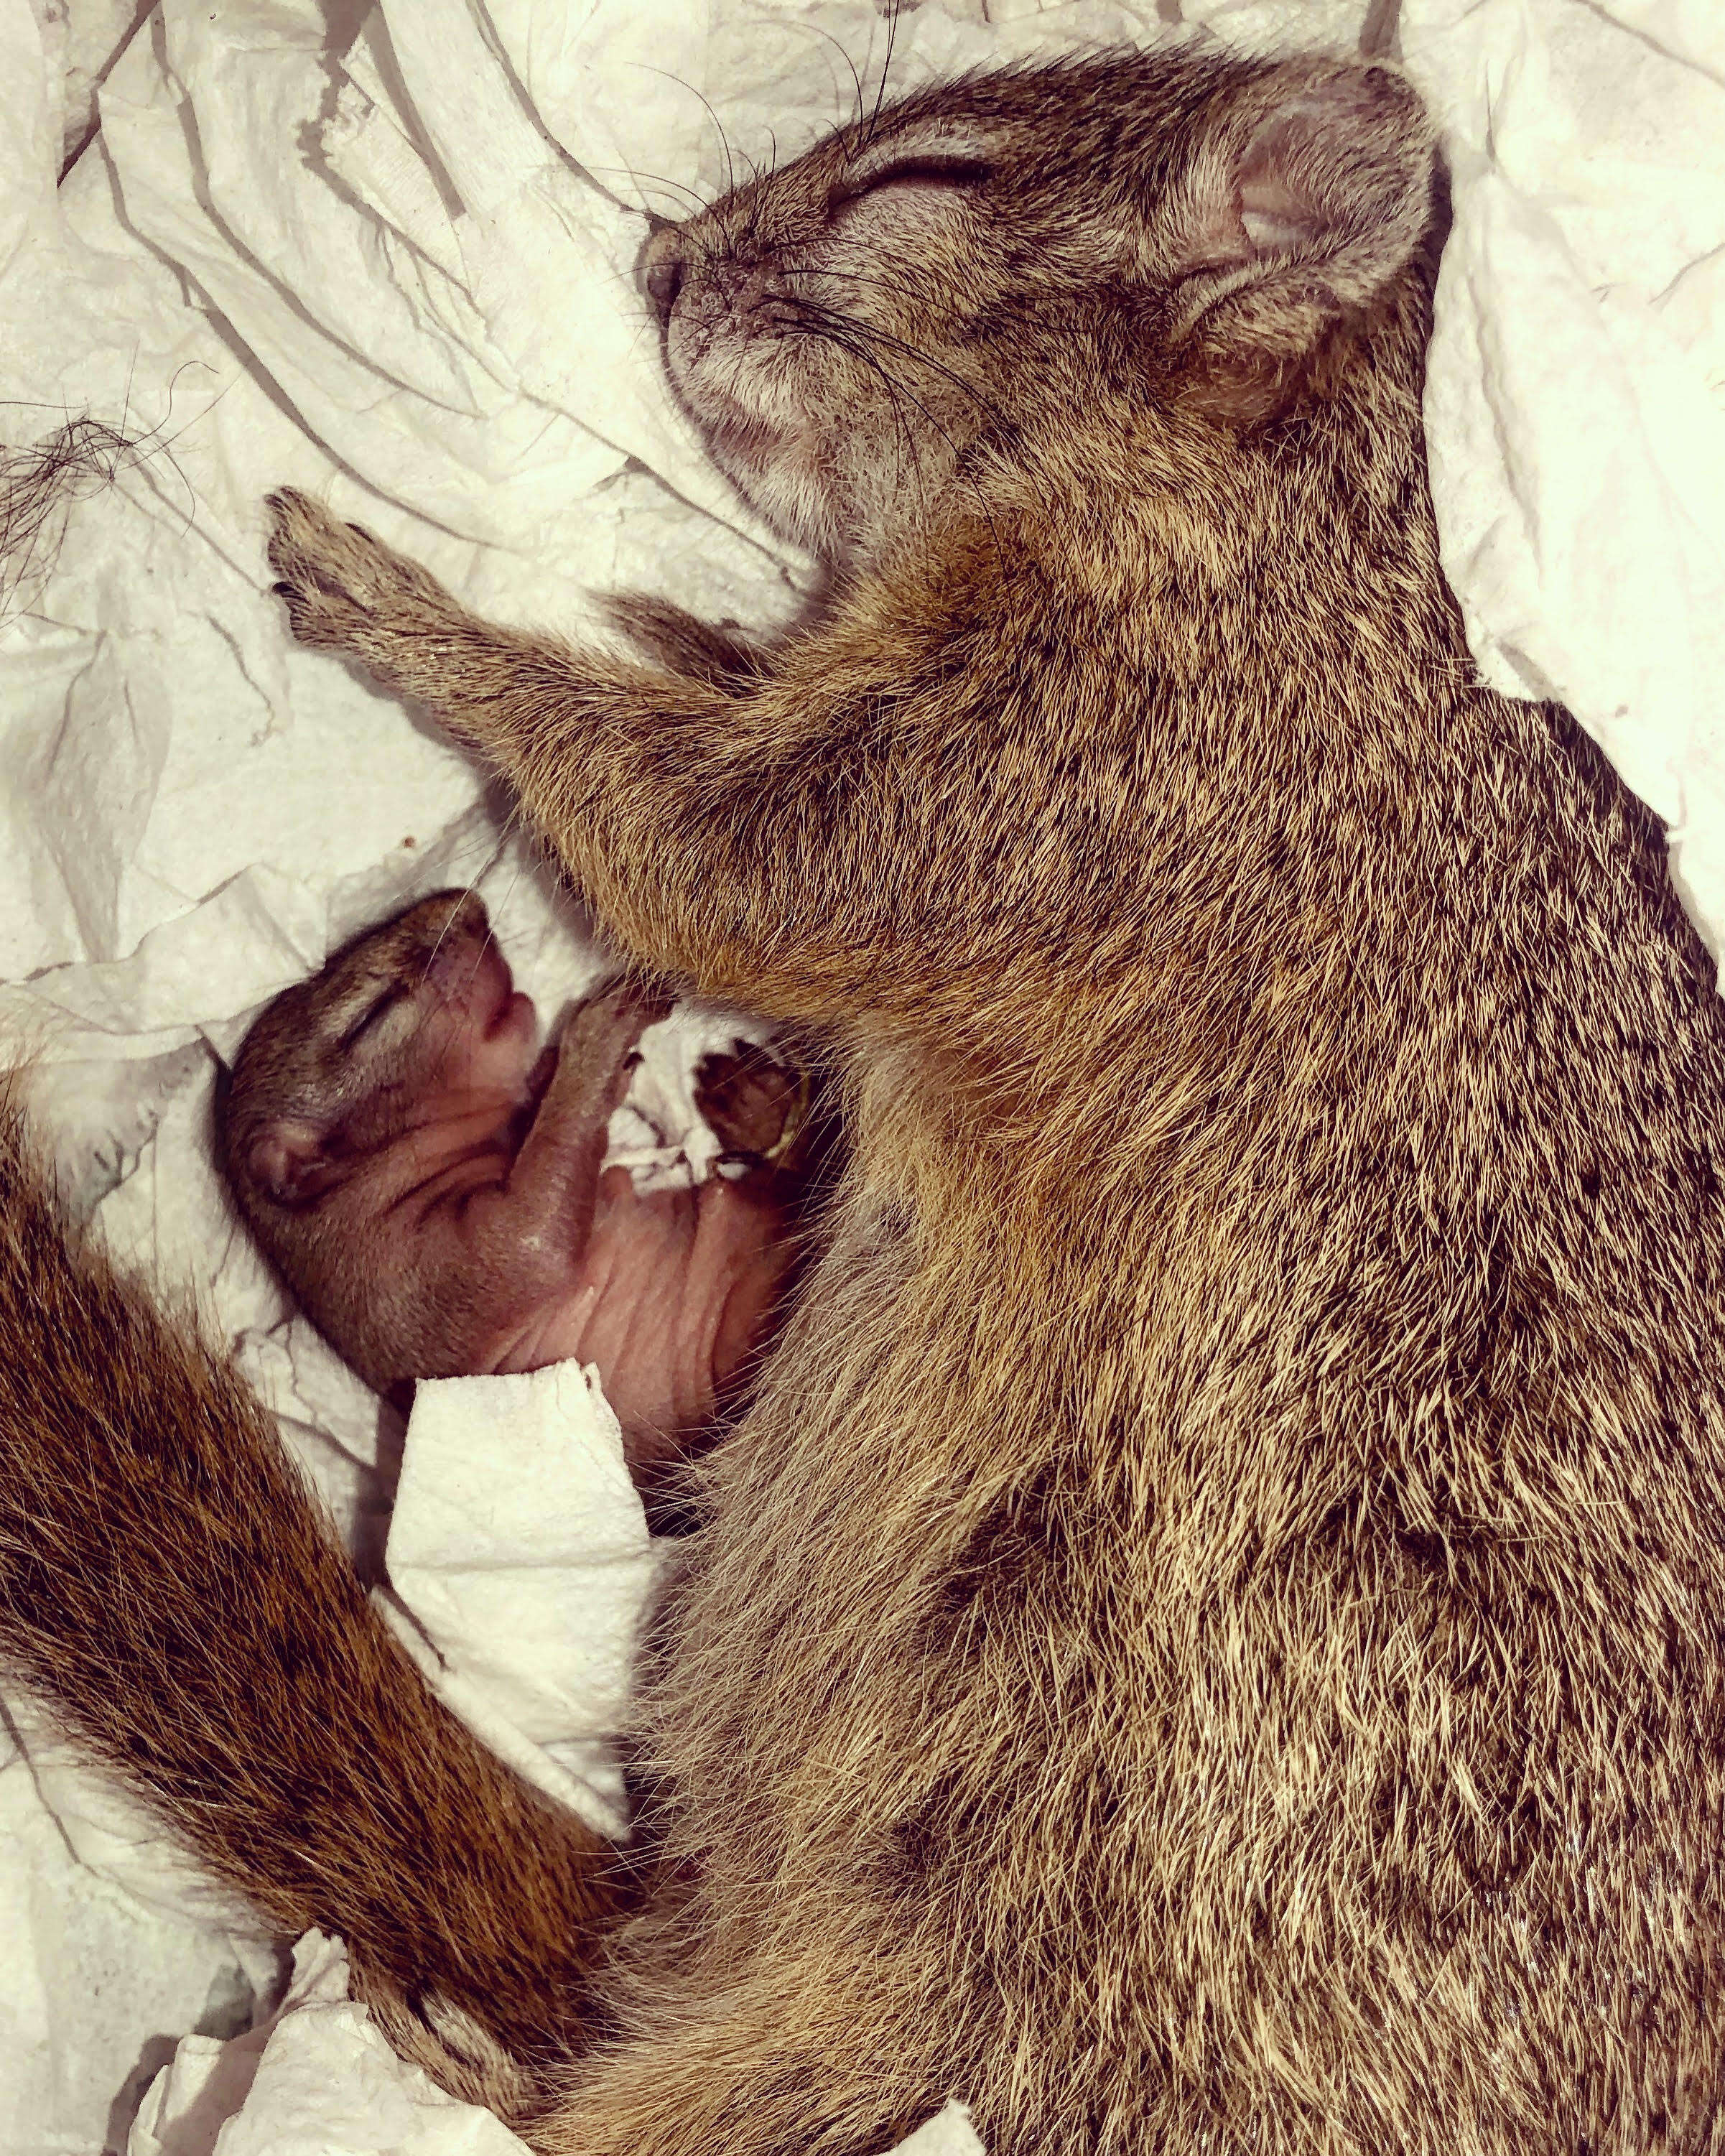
[1309, 192]
[291, 1161]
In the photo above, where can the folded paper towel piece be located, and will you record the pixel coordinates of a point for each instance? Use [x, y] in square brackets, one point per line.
[401, 272]
[521, 1564]
[313, 2078]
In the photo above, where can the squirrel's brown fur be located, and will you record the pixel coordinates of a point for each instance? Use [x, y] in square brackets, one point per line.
[166, 1575]
[1210, 1635]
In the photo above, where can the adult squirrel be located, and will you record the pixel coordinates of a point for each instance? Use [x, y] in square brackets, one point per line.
[1209, 1636]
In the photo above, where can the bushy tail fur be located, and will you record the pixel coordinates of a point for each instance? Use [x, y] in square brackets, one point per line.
[168, 1589]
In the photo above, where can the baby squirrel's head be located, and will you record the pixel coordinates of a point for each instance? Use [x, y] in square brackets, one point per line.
[1165, 237]
[419, 1011]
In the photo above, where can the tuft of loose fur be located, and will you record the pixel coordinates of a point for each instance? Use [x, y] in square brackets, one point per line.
[40, 480]
[1208, 1637]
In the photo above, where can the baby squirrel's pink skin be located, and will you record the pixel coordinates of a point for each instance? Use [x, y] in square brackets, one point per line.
[433, 1187]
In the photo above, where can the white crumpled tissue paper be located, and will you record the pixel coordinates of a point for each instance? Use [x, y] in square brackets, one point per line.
[387, 253]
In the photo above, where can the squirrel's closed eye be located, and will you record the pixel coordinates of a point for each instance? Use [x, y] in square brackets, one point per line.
[929, 171]
[373, 1015]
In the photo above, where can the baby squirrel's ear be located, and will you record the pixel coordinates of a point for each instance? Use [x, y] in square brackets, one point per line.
[291, 1162]
[1308, 194]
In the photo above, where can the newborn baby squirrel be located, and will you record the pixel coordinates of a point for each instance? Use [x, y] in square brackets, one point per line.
[1207, 1636]
[433, 1191]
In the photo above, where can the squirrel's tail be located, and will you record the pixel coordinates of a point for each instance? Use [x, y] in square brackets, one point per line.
[169, 1590]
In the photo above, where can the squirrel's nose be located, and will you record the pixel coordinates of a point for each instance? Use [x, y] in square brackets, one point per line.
[664, 275]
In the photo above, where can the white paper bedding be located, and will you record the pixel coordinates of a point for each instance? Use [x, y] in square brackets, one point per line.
[386, 252]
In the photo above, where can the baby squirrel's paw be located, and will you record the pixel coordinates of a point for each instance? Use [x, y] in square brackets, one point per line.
[596, 1049]
[347, 592]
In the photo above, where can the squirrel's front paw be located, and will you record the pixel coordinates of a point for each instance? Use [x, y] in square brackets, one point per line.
[347, 592]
